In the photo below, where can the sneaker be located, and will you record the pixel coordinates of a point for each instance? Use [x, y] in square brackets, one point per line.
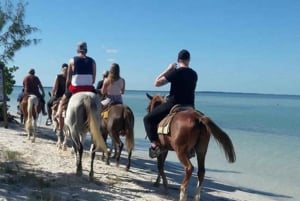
[48, 122]
[154, 152]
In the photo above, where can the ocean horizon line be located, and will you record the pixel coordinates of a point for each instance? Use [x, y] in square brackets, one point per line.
[210, 92]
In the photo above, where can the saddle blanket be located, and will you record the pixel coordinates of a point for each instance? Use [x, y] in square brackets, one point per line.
[164, 125]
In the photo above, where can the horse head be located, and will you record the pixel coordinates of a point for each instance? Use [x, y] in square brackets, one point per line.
[155, 100]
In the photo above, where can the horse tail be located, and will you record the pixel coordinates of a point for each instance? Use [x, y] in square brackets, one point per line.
[93, 121]
[129, 127]
[29, 113]
[220, 136]
[31, 107]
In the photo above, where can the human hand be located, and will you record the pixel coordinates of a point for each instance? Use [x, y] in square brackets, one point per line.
[172, 66]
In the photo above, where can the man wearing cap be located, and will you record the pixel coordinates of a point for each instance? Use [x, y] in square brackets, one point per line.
[33, 85]
[182, 91]
[81, 76]
[58, 91]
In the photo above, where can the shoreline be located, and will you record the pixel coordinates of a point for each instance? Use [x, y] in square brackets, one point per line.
[55, 172]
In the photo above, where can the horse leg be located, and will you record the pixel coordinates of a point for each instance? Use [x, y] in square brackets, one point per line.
[93, 153]
[64, 144]
[188, 167]
[129, 160]
[118, 147]
[104, 135]
[113, 147]
[161, 173]
[79, 159]
[34, 130]
[201, 150]
[59, 134]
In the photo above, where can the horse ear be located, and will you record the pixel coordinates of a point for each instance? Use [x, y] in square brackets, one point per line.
[149, 96]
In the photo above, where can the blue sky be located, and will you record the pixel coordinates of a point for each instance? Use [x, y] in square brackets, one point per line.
[236, 45]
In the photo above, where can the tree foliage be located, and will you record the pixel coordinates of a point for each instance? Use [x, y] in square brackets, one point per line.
[14, 35]
[14, 32]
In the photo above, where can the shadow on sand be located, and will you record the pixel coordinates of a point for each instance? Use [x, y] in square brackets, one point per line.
[106, 191]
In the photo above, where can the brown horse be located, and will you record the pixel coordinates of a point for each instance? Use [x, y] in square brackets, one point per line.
[189, 129]
[30, 107]
[119, 121]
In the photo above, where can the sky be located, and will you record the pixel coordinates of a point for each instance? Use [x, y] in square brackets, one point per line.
[248, 46]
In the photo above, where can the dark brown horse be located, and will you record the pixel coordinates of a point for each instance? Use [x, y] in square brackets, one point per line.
[119, 121]
[30, 107]
[189, 129]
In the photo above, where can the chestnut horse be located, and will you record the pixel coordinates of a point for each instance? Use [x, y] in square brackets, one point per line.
[82, 116]
[30, 107]
[189, 129]
[119, 122]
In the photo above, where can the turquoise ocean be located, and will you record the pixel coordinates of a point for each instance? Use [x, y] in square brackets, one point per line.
[264, 128]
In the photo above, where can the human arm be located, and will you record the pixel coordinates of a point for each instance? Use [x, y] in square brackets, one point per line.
[55, 86]
[41, 89]
[104, 86]
[94, 71]
[69, 72]
[123, 87]
[161, 79]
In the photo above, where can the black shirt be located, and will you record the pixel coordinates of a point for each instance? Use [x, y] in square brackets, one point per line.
[183, 84]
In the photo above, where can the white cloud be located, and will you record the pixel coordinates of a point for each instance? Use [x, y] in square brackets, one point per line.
[111, 60]
[111, 51]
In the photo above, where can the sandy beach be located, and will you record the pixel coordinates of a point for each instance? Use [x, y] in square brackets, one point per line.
[39, 171]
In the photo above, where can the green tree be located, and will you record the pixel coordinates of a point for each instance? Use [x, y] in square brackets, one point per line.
[14, 35]
[14, 32]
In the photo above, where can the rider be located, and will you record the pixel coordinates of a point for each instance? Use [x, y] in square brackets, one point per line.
[100, 83]
[113, 86]
[182, 91]
[80, 77]
[58, 90]
[33, 85]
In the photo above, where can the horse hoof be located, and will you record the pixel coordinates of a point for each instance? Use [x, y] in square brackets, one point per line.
[91, 176]
[64, 148]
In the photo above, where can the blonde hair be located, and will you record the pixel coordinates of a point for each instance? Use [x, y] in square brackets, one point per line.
[114, 72]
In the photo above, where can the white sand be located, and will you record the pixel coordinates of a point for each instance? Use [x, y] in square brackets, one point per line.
[53, 175]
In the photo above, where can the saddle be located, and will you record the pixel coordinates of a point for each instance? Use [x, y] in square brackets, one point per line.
[104, 113]
[106, 109]
[164, 124]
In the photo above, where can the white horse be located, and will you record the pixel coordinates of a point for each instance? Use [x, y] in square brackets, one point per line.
[30, 109]
[82, 116]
